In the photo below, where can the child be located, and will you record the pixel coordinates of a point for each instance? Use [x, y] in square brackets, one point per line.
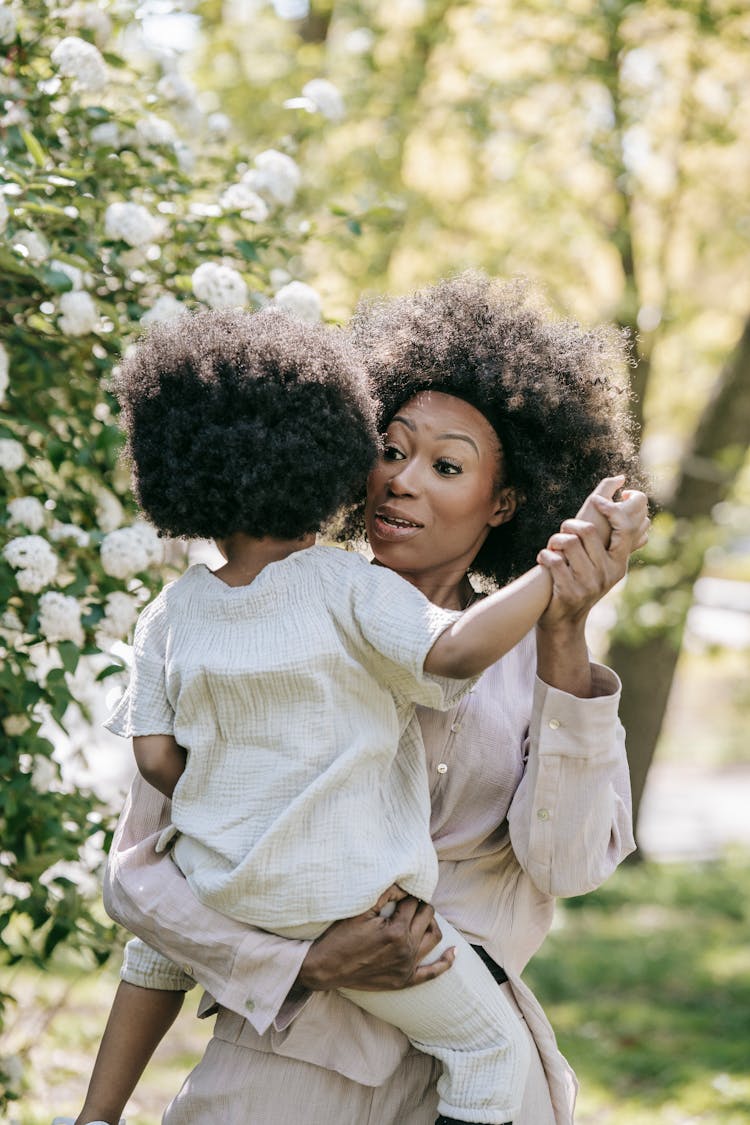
[275, 697]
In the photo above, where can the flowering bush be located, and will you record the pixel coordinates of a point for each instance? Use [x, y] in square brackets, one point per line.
[108, 219]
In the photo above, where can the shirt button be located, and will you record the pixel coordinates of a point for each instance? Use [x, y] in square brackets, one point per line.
[187, 970]
[250, 1004]
[455, 727]
[543, 814]
[442, 768]
[553, 724]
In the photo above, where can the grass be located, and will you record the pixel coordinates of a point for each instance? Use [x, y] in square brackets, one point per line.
[646, 982]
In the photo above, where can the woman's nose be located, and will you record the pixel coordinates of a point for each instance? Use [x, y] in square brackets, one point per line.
[404, 482]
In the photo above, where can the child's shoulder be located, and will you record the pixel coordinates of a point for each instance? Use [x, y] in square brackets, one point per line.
[155, 611]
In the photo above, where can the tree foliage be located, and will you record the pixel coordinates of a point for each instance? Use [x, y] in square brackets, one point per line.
[121, 201]
[601, 147]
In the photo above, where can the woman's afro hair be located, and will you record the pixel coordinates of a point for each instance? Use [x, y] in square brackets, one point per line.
[245, 422]
[555, 393]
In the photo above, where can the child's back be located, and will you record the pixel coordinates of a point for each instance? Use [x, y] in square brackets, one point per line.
[290, 695]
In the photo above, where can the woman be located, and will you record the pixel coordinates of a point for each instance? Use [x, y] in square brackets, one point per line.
[499, 421]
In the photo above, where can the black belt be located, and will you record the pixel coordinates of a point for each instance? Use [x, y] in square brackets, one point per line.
[498, 973]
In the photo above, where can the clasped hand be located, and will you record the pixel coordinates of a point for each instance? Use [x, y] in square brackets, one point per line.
[582, 567]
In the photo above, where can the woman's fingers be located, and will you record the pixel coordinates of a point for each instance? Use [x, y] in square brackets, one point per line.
[435, 968]
[628, 519]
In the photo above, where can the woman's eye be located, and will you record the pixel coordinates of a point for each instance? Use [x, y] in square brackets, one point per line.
[448, 468]
[392, 452]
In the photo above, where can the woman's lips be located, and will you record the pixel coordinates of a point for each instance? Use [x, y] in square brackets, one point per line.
[394, 527]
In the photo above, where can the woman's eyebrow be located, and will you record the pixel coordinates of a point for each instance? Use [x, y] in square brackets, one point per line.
[404, 422]
[460, 437]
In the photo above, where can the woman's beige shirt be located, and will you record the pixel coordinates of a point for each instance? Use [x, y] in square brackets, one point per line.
[530, 800]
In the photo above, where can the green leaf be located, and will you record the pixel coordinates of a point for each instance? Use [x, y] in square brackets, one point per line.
[35, 150]
[57, 280]
[247, 249]
[110, 670]
[69, 654]
[354, 226]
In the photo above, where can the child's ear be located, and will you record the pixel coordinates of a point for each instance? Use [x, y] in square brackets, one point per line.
[505, 506]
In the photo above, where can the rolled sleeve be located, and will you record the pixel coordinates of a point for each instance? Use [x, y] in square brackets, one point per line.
[147, 968]
[247, 970]
[570, 820]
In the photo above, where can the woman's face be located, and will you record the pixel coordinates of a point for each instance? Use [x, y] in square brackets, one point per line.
[434, 493]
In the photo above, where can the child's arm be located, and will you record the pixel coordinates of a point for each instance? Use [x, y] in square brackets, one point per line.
[138, 1021]
[160, 761]
[492, 627]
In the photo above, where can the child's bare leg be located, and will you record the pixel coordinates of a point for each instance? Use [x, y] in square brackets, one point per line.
[138, 1021]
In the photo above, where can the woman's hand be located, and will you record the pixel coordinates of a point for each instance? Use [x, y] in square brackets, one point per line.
[583, 569]
[377, 953]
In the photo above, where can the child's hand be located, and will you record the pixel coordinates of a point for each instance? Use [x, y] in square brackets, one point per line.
[591, 511]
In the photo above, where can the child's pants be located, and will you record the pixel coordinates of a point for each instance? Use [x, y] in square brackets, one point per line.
[462, 1019]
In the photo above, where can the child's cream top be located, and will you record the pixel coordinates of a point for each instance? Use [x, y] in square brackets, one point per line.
[292, 696]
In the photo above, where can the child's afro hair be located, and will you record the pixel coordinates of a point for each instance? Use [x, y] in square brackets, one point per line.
[555, 393]
[245, 422]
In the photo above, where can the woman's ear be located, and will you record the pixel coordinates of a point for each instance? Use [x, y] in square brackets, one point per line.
[505, 506]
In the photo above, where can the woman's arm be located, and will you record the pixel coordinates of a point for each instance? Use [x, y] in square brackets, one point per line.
[246, 970]
[495, 625]
[570, 819]
[582, 571]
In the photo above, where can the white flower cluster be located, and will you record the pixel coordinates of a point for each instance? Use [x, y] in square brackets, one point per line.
[291, 9]
[129, 550]
[70, 533]
[82, 61]
[11, 627]
[26, 511]
[219, 286]
[241, 197]
[219, 125]
[79, 314]
[106, 135]
[35, 245]
[300, 301]
[92, 18]
[163, 309]
[131, 223]
[174, 88]
[8, 28]
[153, 130]
[60, 618]
[109, 513]
[33, 560]
[4, 372]
[275, 176]
[120, 614]
[325, 98]
[4, 213]
[12, 455]
[16, 725]
[75, 276]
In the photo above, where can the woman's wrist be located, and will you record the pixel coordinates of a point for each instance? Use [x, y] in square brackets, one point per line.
[563, 658]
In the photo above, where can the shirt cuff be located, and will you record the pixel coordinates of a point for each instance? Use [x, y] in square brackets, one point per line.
[570, 727]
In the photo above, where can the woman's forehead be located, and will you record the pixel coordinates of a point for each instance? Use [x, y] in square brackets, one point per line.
[438, 413]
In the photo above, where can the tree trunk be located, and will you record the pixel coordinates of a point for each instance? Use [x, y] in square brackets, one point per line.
[706, 475]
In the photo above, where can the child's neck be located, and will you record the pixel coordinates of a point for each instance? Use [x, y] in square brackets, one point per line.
[247, 556]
